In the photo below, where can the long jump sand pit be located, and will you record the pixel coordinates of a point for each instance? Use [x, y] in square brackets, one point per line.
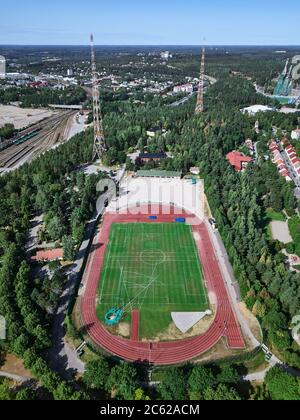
[280, 232]
[22, 117]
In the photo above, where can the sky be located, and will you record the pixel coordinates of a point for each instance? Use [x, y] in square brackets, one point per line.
[150, 22]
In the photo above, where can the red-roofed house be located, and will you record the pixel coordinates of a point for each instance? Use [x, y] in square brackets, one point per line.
[49, 255]
[292, 155]
[273, 146]
[294, 160]
[284, 172]
[238, 160]
[278, 160]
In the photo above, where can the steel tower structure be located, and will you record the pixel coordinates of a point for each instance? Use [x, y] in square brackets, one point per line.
[99, 140]
[200, 98]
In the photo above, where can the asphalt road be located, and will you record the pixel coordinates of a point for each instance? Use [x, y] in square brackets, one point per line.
[181, 101]
[231, 284]
[291, 170]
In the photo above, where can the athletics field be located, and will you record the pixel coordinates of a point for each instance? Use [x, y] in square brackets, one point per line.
[153, 267]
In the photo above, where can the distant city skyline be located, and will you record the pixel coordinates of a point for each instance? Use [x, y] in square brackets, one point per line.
[135, 22]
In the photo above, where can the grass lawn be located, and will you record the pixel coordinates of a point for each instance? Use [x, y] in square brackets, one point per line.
[155, 268]
[271, 216]
[294, 227]
[276, 216]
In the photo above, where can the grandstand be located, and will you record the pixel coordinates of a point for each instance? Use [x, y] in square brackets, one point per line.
[158, 174]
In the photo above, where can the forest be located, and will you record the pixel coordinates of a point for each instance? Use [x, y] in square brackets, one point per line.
[42, 97]
[50, 185]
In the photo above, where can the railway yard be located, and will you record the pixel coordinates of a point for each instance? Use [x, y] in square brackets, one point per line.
[34, 141]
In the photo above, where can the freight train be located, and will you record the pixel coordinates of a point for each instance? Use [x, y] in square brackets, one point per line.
[26, 135]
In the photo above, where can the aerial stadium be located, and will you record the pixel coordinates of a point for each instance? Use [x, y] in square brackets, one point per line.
[152, 266]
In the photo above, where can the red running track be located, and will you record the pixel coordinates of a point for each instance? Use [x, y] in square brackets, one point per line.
[135, 321]
[160, 353]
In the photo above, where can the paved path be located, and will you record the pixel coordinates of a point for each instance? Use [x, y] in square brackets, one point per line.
[14, 377]
[231, 284]
[32, 240]
[257, 376]
[181, 101]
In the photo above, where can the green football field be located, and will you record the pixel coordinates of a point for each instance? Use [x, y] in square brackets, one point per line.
[152, 267]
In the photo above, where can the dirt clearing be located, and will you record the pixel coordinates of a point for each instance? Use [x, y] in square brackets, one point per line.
[280, 232]
[22, 117]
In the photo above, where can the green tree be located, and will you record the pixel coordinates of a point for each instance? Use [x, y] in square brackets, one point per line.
[5, 392]
[65, 392]
[55, 228]
[221, 393]
[139, 395]
[96, 374]
[228, 375]
[281, 385]
[200, 379]
[173, 384]
[122, 381]
[25, 394]
[69, 248]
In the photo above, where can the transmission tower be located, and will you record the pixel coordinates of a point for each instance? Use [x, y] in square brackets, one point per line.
[200, 98]
[99, 140]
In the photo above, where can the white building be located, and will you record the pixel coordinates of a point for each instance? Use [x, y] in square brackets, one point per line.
[188, 88]
[195, 170]
[296, 134]
[165, 55]
[254, 109]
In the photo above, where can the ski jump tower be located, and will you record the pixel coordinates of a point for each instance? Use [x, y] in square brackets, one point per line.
[284, 83]
[99, 140]
[200, 98]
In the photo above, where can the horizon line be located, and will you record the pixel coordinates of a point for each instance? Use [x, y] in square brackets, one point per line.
[150, 45]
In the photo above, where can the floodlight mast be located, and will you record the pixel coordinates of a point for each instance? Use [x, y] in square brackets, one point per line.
[99, 148]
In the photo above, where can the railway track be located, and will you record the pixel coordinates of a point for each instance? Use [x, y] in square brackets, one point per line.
[52, 132]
